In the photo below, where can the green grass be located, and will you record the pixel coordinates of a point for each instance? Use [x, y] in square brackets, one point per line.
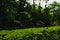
[43, 33]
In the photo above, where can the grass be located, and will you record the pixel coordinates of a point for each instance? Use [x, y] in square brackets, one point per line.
[42, 33]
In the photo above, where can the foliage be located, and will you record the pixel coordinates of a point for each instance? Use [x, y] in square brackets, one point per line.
[52, 33]
[20, 14]
[55, 8]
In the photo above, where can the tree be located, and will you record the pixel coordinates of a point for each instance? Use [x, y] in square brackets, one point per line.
[7, 12]
[55, 8]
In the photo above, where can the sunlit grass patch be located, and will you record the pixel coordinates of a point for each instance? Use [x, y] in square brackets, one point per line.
[43, 33]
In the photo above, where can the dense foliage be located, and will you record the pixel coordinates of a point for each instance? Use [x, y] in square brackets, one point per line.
[52, 33]
[20, 14]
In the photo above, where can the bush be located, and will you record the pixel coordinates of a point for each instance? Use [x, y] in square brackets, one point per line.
[52, 33]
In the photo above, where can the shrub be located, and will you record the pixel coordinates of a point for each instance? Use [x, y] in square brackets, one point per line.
[52, 33]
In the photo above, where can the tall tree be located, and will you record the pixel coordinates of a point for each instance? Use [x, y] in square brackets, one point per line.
[55, 8]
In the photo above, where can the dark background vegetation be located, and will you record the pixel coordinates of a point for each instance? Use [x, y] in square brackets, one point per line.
[21, 14]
